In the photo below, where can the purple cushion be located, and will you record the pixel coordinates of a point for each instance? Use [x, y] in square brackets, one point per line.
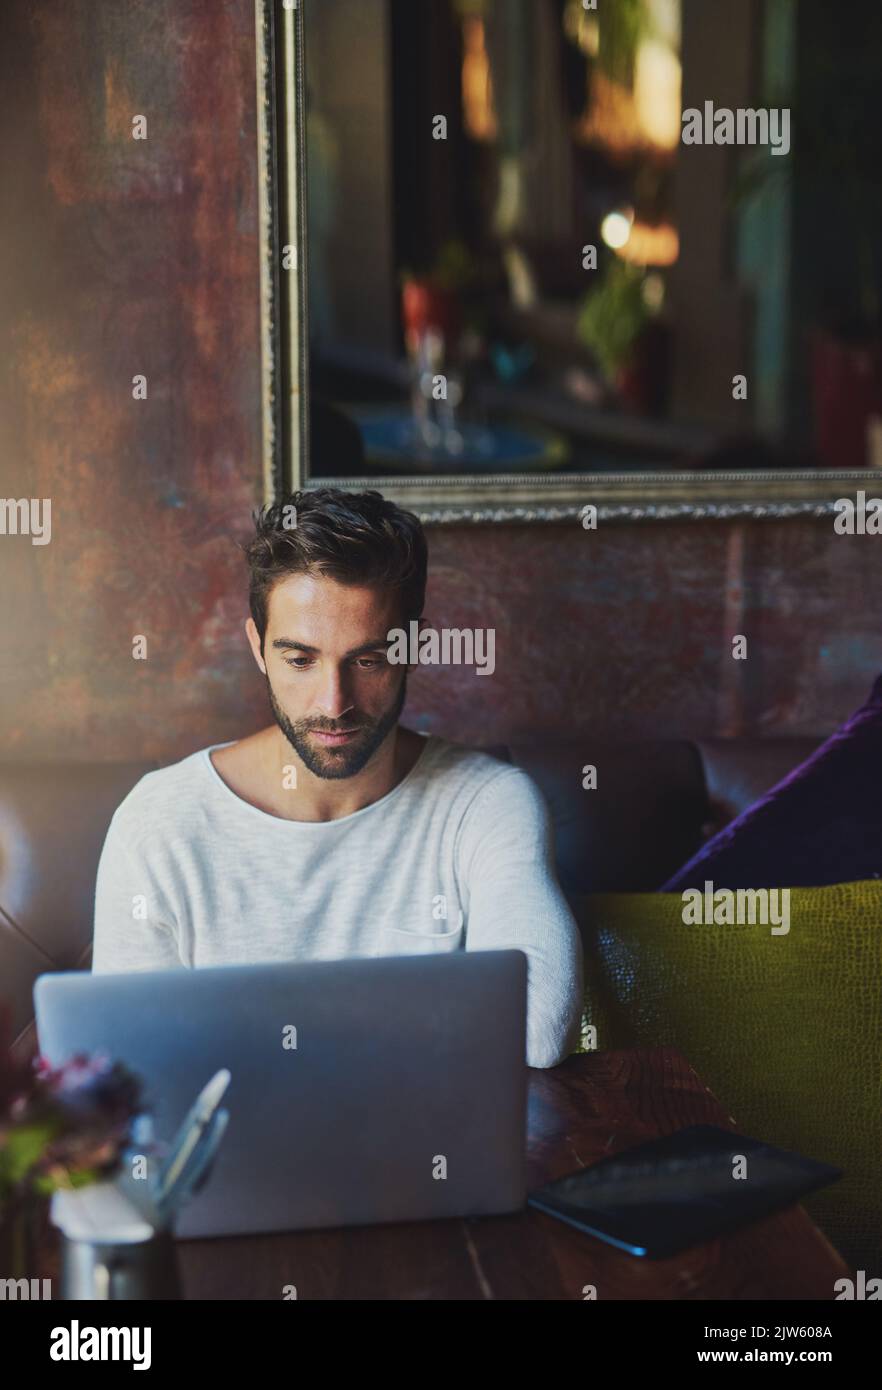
[821, 825]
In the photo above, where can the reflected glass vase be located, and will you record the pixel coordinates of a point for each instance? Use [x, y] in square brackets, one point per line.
[20, 1227]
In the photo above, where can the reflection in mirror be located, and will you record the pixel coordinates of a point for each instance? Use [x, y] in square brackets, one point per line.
[516, 263]
[492, 226]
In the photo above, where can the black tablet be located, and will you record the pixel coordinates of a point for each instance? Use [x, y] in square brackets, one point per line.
[681, 1190]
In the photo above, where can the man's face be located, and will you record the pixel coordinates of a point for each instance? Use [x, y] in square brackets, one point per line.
[325, 654]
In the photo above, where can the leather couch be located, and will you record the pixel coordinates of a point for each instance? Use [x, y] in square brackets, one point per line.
[654, 804]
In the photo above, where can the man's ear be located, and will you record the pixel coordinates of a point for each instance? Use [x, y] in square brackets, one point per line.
[254, 643]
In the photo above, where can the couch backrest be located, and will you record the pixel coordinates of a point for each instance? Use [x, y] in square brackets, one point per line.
[654, 804]
[53, 819]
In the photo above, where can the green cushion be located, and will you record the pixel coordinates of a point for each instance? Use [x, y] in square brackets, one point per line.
[786, 1030]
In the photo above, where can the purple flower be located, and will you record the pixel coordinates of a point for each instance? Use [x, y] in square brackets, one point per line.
[62, 1126]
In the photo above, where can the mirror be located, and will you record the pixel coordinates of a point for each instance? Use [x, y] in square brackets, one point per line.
[526, 256]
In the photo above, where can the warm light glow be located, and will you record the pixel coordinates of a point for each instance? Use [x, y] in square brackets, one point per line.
[641, 114]
[582, 28]
[616, 230]
[612, 120]
[647, 245]
[477, 85]
[657, 92]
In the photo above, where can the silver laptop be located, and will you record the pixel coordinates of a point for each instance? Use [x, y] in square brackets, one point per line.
[400, 1095]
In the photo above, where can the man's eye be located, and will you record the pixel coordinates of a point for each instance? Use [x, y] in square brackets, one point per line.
[296, 661]
[367, 663]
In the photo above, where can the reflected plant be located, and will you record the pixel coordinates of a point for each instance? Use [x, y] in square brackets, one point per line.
[614, 315]
[622, 26]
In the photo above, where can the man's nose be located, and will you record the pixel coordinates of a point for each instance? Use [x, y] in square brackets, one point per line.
[334, 697]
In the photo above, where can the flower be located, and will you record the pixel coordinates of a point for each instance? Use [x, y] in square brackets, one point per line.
[61, 1126]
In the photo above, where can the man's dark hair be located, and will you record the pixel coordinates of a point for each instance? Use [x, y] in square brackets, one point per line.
[354, 538]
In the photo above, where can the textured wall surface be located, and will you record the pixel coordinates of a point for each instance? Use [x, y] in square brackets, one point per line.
[121, 257]
[629, 629]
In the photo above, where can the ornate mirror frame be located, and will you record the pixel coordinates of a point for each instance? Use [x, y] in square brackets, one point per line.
[648, 496]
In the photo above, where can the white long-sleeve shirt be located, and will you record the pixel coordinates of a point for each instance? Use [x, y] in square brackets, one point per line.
[457, 856]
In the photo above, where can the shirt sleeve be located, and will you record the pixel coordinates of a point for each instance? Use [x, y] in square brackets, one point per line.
[134, 928]
[514, 900]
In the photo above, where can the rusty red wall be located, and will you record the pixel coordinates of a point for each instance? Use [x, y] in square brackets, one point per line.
[121, 257]
[629, 629]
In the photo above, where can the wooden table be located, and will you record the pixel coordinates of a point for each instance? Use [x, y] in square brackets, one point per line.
[590, 1106]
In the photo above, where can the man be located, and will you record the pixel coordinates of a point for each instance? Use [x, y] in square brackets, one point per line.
[335, 831]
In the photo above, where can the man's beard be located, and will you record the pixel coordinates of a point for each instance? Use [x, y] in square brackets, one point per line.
[349, 758]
